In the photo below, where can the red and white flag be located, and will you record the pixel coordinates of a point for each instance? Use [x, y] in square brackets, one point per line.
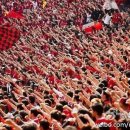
[92, 26]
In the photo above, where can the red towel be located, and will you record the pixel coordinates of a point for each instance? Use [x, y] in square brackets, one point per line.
[13, 14]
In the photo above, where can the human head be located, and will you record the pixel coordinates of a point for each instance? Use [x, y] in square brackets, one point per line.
[44, 125]
[97, 110]
[29, 126]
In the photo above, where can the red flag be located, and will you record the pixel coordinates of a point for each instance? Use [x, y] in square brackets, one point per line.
[91, 26]
[88, 25]
[98, 26]
[88, 30]
[8, 36]
[13, 14]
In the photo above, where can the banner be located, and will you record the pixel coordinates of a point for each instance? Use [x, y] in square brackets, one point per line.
[98, 26]
[92, 26]
[88, 25]
[8, 36]
[13, 14]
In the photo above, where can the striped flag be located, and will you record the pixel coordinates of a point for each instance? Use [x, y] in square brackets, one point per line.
[89, 27]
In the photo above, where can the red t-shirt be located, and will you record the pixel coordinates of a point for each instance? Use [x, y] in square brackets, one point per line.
[116, 18]
[51, 79]
[111, 82]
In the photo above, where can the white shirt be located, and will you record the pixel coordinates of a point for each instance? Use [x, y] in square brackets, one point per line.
[107, 19]
[34, 5]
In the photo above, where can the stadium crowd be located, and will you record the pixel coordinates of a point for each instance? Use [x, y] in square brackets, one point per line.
[60, 77]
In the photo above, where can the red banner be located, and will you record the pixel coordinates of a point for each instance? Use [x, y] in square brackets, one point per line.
[8, 36]
[90, 27]
[13, 14]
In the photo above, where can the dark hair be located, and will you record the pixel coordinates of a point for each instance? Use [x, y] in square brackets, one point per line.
[83, 69]
[59, 107]
[76, 97]
[128, 74]
[63, 116]
[106, 107]
[70, 94]
[35, 112]
[50, 96]
[30, 126]
[24, 94]
[46, 92]
[105, 82]
[83, 111]
[7, 127]
[84, 120]
[94, 96]
[48, 102]
[98, 108]
[63, 102]
[101, 85]
[56, 115]
[32, 99]
[46, 97]
[23, 114]
[86, 127]
[45, 124]
[25, 102]
[107, 65]
[20, 107]
[77, 91]
[99, 90]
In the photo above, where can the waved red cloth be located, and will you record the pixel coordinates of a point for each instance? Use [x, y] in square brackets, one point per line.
[90, 27]
[98, 26]
[13, 14]
[89, 30]
[8, 36]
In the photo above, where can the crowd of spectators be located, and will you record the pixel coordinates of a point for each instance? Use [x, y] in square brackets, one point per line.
[59, 77]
